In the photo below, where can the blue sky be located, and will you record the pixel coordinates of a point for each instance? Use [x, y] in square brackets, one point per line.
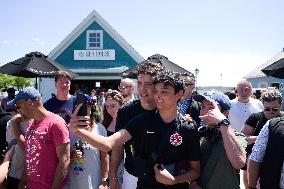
[221, 37]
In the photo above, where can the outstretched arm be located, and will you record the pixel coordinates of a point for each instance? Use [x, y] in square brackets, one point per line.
[78, 125]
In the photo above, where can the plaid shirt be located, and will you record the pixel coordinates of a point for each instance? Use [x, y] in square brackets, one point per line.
[183, 105]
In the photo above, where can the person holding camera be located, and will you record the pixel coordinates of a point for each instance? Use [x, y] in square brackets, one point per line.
[89, 166]
[222, 149]
[162, 139]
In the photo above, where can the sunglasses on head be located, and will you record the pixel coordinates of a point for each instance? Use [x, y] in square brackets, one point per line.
[273, 109]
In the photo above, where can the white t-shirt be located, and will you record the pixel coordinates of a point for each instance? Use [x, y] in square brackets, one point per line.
[86, 173]
[239, 112]
[18, 159]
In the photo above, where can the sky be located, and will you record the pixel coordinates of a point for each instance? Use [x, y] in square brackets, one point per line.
[223, 39]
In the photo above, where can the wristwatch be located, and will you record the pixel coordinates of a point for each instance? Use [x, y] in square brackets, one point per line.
[223, 122]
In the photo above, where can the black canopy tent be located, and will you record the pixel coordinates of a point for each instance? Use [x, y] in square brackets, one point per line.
[275, 70]
[34, 65]
[157, 58]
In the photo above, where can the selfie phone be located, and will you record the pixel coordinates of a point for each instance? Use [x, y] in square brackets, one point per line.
[81, 99]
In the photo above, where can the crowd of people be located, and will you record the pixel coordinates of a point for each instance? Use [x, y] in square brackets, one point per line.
[163, 136]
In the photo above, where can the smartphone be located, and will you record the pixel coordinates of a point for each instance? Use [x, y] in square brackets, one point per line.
[81, 99]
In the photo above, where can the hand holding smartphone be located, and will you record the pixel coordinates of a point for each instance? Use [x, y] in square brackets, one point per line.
[81, 99]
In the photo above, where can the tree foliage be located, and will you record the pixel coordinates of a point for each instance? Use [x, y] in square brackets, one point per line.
[7, 81]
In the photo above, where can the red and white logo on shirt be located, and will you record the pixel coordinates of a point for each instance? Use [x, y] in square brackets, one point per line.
[175, 139]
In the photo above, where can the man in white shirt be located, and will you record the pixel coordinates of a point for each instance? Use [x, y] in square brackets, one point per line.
[243, 105]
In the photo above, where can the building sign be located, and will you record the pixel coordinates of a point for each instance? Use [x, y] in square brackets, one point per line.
[106, 54]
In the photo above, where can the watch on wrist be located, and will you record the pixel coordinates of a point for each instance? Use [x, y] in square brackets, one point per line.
[223, 122]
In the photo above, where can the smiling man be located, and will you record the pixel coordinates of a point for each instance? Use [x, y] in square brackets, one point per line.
[161, 139]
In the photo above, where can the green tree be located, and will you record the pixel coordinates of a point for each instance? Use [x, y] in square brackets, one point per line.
[7, 81]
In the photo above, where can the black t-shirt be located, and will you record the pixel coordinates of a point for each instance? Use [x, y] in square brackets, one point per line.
[256, 121]
[128, 112]
[171, 142]
[124, 115]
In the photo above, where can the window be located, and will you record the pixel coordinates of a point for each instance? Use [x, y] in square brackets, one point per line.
[94, 39]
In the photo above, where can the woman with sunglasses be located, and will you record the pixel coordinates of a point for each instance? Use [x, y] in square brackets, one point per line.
[272, 101]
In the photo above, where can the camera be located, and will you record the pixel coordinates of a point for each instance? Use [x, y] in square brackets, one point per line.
[79, 146]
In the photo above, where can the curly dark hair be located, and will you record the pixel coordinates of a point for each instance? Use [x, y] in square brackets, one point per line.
[271, 95]
[170, 78]
[115, 95]
[151, 68]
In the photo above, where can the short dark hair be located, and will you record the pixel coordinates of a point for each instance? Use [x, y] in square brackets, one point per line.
[11, 90]
[151, 68]
[170, 78]
[271, 95]
[188, 74]
[60, 74]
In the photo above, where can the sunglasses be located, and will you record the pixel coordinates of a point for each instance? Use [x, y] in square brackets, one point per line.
[273, 109]
[18, 107]
[123, 87]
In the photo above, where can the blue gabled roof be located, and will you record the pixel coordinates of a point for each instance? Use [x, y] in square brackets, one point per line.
[91, 18]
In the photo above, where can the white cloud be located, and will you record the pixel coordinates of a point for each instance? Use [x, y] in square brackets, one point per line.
[38, 41]
[6, 42]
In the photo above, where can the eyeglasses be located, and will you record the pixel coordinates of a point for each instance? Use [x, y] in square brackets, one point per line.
[187, 84]
[273, 109]
[124, 87]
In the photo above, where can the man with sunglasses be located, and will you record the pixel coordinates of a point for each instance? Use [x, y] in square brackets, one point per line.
[271, 100]
[126, 87]
[47, 148]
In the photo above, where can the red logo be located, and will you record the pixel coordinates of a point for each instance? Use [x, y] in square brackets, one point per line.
[176, 139]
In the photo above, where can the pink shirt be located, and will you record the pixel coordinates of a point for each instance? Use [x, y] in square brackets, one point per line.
[40, 146]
